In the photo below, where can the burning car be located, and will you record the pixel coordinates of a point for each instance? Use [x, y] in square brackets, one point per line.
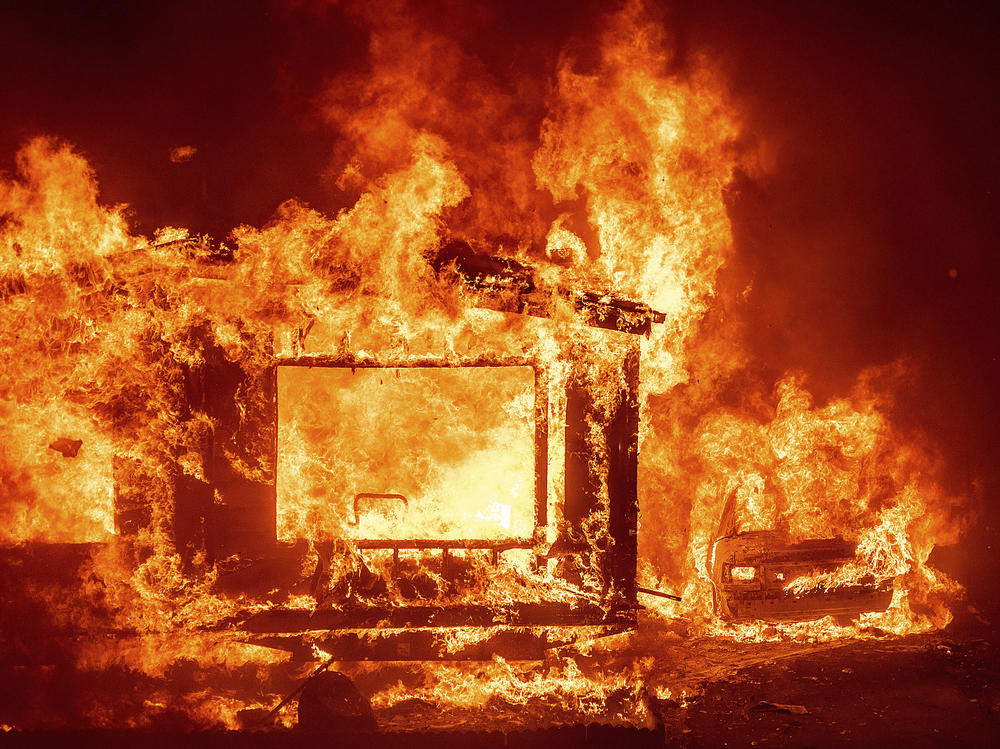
[767, 575]
[754, 575]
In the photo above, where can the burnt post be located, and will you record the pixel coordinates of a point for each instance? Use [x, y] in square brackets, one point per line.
[622, 435]
[604, 457]
[240, 401]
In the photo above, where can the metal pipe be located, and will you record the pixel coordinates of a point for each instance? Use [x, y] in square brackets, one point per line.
[650, 592]
[431, 543]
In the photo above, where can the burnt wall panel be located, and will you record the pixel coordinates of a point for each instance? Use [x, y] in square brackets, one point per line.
[602, 451]
[240, 402]
[582, 485]
[144, 467]
[132, 502]
[622, 434]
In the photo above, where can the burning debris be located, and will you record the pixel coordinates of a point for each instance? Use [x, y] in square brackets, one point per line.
[66, 447]
[445, 461]
[182, 154]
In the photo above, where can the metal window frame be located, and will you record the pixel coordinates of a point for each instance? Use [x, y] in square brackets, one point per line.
[541, 436]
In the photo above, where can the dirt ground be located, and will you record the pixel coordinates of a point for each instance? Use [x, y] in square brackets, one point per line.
[940, 690]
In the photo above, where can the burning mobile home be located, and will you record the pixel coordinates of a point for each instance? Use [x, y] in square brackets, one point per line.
[421, 483]
[454, 439]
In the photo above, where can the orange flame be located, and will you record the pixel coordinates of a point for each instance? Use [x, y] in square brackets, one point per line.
[100, 328]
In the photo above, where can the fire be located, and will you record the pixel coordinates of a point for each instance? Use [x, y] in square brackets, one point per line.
[652, 155]
[427, 446]
[446, 437]
[839, 471]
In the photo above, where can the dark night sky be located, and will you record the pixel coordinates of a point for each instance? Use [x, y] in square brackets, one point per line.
[881, 119]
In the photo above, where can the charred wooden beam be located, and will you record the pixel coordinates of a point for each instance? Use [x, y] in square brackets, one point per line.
[407, 616]
[353, 362]
[495, 544]
[426, 644]
[658, 594]
[487, 272]
[507, 285]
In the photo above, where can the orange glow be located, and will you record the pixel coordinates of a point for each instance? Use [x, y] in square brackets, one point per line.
[456, 445]
[401, 406]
